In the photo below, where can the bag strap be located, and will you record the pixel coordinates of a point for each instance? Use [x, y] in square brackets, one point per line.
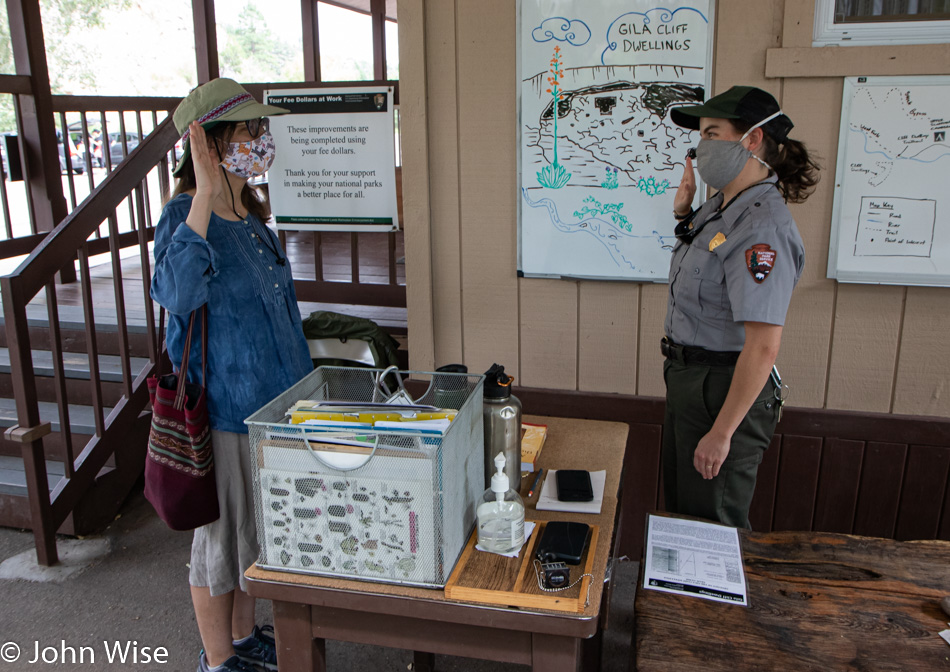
[183, 370]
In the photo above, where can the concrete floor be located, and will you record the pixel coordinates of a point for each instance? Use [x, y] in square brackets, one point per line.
[138, 591]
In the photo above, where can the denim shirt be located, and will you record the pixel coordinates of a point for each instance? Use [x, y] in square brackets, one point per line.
[256, 346]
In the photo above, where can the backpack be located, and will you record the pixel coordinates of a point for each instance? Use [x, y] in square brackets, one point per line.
[336, 339]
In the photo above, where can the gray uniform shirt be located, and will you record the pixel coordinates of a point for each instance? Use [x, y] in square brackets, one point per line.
[741, 267]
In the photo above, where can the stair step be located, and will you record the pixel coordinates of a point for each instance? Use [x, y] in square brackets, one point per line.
[81, 418]
[13, 475]
[74, 318]
[76, 365]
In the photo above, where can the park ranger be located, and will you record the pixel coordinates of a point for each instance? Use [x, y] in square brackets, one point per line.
[735, 263]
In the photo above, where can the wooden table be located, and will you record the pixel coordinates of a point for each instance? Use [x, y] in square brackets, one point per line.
[818, 602]
[308, 609]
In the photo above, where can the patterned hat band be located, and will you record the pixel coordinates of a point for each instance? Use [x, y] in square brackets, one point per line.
[226, 106]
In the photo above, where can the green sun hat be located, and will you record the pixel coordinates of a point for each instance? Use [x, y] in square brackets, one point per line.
[747, 103]
[219, 100]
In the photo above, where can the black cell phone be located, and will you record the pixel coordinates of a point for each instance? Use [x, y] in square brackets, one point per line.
[563, 541]
[573, 485]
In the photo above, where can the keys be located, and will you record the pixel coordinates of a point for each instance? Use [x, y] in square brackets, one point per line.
[780, 393]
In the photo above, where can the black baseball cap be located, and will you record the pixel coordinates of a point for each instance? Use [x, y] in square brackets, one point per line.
[747, 103]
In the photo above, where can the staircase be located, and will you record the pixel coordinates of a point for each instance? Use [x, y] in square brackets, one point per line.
[101, 502]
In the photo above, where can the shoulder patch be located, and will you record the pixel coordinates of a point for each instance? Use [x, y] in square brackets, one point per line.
[760, 260]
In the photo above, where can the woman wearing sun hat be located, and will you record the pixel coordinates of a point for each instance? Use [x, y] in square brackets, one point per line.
[735, 263]
[212, 248]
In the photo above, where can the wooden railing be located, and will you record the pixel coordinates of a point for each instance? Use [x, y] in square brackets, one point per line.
[76, 236]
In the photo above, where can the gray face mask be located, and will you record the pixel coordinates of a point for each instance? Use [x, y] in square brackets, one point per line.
[719, 162]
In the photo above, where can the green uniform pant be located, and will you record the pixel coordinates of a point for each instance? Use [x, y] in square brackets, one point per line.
[694, 396]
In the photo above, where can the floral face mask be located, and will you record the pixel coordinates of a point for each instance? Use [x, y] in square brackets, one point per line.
[252, 158]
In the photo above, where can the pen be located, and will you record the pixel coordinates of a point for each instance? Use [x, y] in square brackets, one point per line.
[537, 479]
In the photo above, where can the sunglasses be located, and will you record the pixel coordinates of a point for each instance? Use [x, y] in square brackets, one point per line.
[685, 231]
[257, 127]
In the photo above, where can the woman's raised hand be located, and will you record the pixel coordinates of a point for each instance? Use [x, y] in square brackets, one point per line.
[683, 202]
[205, 159]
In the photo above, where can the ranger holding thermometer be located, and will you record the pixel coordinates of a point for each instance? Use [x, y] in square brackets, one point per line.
[735, 263]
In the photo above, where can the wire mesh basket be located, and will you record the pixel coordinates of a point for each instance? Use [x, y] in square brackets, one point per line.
[393, 505]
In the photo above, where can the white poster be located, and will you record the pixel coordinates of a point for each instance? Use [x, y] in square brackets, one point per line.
[600, 158]
[335, 168]
[891, 209]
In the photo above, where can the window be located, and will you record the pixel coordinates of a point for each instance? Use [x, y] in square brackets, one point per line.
[870, 22]
[259, 40]
[346, 44]
[392, 50]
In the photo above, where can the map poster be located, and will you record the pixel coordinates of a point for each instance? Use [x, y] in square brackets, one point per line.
[335, 168]
[600, 160]
[891, 208]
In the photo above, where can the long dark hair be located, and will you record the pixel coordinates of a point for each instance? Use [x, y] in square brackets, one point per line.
[797, 170]
[252, 198]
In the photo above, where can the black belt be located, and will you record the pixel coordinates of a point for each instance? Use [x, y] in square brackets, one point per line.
[688, 354]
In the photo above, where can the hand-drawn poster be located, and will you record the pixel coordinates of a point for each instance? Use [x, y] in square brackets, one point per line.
[600, 158]
[891, 211]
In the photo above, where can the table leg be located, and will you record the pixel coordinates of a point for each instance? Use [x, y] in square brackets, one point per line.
[552, 653]
[297, 650]
[422, 661]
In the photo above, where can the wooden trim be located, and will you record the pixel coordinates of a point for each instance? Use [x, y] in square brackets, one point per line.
[392, 296]
[16, 84]
[310, 22]
[417, 223]
[116, 103]
[70, 234]
[378, 14]
[911, 59]
[206, 40]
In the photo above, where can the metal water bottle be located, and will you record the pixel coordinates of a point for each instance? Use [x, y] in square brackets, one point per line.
[502, 414]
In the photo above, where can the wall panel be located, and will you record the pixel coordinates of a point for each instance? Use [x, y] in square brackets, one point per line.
[443, 176]
[652, 315]
[548, 333]
[488, 144]
[864, 351]
[607, 336]
[923, 373]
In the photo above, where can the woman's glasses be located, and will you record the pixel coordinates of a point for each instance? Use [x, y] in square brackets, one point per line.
[257, 127]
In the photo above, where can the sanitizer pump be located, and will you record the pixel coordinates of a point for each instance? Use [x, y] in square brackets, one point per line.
[500, 514]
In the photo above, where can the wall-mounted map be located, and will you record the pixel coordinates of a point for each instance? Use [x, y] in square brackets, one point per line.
[890, 210]
[600, 158]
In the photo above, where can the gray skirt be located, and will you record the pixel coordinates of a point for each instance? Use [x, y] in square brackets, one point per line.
[221, 551]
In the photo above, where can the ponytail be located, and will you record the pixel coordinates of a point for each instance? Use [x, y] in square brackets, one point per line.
[796, 170]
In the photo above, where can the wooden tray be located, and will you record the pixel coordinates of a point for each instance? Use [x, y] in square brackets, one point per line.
[488, 578]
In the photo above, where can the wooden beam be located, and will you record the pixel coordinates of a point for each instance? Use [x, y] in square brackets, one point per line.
[15, 84]
[206, 40]
[41, 152]
[310, 23]
[904, 59]
[378, 13]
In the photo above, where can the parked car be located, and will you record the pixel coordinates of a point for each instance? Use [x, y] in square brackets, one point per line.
[76, 159]
[116, 151]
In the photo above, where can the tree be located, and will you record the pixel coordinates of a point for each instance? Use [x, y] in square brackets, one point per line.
[253, 53]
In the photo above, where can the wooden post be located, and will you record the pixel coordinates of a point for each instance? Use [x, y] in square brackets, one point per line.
[206, 40]
[311, 40]
[38, 139]
[378, 12]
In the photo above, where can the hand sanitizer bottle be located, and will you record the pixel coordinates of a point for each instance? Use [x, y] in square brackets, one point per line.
[500, 514]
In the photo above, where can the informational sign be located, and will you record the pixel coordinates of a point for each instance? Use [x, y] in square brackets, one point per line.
[335, 165]
[689, 557]
[891, 221]
[600, 160]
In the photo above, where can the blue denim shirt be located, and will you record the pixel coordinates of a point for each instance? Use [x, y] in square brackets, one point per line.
[256, 346]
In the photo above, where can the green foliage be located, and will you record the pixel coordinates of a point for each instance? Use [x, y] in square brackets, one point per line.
[253, 53]
[610, 178]
[611, 210]
[553, 176]
[651, 187]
